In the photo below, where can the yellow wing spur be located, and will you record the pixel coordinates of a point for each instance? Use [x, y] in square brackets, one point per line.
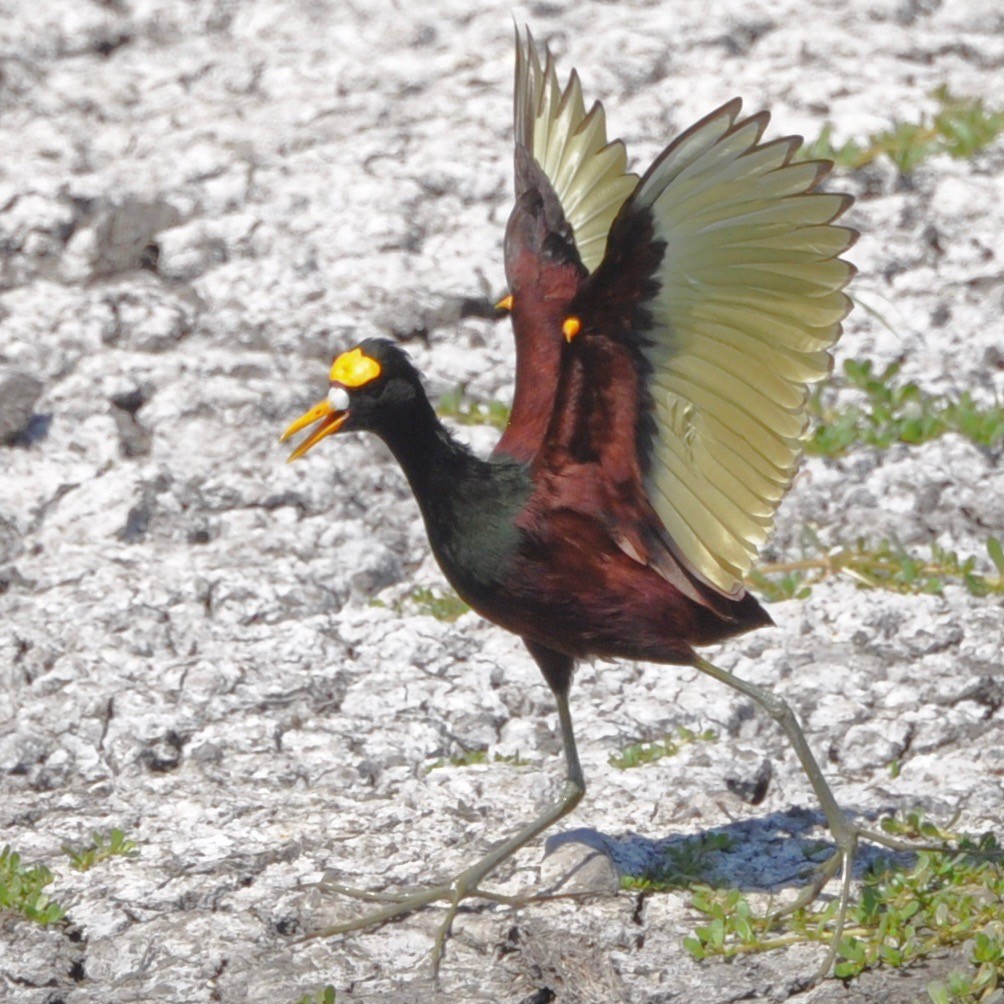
[747, 303]
[588, 174]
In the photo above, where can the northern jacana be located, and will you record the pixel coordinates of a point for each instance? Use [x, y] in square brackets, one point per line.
[668, 329]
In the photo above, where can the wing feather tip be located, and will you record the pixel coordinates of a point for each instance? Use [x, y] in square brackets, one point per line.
[568, 144]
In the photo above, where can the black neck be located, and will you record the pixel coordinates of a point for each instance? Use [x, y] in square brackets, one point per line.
[432, 460]
[469, 505]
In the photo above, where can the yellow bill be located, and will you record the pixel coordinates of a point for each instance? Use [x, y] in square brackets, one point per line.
[330, 419]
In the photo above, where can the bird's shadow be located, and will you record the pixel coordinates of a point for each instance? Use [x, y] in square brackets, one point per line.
[765, 854]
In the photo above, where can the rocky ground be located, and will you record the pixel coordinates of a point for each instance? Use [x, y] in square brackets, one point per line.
[201, 202]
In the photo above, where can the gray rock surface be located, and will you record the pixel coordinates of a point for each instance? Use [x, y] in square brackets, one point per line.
[199, 204]
[18, 393]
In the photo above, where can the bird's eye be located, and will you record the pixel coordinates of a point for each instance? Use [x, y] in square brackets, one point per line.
[338, 398]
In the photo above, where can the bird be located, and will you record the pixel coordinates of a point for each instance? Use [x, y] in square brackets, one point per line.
[669, 328]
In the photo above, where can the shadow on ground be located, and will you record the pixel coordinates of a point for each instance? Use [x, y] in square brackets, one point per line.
[774, 852]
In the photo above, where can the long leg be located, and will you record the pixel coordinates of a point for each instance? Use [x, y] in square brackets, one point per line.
[557, 670]
[845, 833]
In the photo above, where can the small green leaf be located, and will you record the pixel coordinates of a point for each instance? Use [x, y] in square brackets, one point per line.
[844, 970]
[694, 946]
[938, 993]
[852, 950]
[996, 552]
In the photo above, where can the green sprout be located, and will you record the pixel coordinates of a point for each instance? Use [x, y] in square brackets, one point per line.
[473, 758]
[100, 849]
[457, 405]
[641, 753]
[326, 995]
[883, 565]
[21, 890]
[437, 603]
[903, 915]
[893, 411]
[960, 128]
[982, 985]
[684, 863]
[442, 606]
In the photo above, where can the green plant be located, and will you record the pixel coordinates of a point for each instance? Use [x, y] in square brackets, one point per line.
[882, 565]
[472, 758]
[638, 754]
[21, 890]
[731, 925]
[469, 758]
[326, 995]
[456, 404]
[100, 849]
[441, 605]
[913, 824]
[904, 914]
[893, 411]
[982, 985]
[960, 128]
[966, 125]
[943, 900]
[444, 606]
[683, 864]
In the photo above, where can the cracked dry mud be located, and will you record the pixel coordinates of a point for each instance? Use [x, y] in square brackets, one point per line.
[199, 204]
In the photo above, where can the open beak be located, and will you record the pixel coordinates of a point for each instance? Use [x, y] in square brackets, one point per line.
[330, 421]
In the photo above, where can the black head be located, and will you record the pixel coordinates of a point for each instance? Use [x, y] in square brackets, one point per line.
[537, 232]
[373, 387]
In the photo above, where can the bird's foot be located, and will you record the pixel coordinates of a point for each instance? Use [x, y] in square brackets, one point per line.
[848, 837]
[371, 896]
[466, 884]
[823, 874]
[461, 887]
[842, 861]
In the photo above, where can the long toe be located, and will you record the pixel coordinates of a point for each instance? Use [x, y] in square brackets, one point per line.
[811, 892]
[396, 906]
[367, 895]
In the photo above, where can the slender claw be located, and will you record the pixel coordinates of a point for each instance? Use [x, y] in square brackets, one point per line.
[397, 907]
[366, 895]
[825, 872]
[439, 945]
[838, 927]
[898, 844]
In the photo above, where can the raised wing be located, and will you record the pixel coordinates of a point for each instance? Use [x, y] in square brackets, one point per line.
[723, 284]
[587, 174]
